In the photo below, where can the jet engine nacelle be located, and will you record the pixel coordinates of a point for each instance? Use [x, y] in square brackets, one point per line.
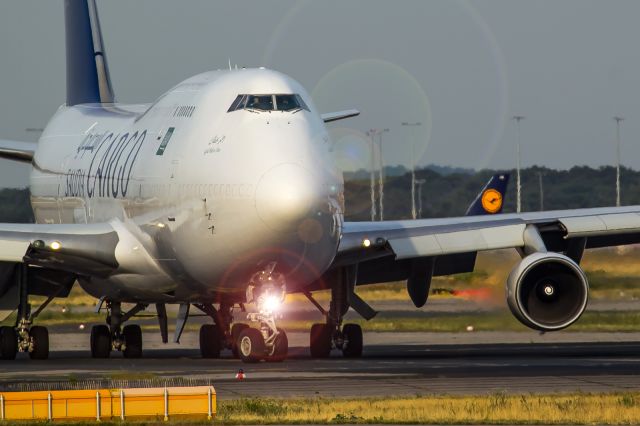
[547, 291]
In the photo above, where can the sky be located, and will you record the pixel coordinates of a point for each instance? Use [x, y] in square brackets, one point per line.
[460, 68]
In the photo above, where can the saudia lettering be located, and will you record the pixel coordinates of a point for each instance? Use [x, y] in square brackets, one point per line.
[109, 172]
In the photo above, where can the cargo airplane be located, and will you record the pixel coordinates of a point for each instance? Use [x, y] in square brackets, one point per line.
[222, 194]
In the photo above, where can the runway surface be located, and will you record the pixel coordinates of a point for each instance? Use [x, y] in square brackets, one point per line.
[393, 364]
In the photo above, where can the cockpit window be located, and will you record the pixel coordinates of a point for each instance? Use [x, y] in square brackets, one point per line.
[301, 103]
[287, 102]
[238, 103]
[258, 103]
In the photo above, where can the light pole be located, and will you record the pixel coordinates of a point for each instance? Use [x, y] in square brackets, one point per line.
[379, 133]
[540, 174]
[413, 169]
[618, 120]
[420, 182]
[372, 176]
[517, 119]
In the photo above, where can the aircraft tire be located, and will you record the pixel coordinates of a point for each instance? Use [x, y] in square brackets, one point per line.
[236, 329]
[40, 336]
[100, 341]
[8, 343]
[320, 341]
[353, 339]
[251, 345]
[280, 347]
[132, 334]
[210, 341]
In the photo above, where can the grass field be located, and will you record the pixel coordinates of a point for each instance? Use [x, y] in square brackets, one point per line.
[607, 409]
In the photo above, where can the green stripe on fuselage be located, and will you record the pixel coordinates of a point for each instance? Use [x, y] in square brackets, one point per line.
[165, 141]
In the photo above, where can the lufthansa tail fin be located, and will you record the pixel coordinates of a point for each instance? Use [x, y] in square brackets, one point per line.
[88, 78]
[491, 198]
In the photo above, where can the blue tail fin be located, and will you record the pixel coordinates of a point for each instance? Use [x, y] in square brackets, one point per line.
[491, 199]
[87, 71]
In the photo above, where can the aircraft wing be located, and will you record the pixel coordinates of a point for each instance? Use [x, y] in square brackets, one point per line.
[17, 151]
[88, 249]
[339, 115]
[57, 255]
[384, 251]
[101, 249]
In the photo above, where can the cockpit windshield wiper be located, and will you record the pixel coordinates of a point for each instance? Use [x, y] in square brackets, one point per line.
[297, 110]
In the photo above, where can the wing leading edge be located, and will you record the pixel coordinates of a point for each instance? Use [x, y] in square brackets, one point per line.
[339, 115]
[407, 239]
[17, 151]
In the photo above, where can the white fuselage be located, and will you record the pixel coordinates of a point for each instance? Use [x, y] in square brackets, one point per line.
[206, 197]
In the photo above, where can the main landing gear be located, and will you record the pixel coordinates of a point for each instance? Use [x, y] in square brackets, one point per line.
[113, 336]
[332, 334]
[24, 336]
[217, 336]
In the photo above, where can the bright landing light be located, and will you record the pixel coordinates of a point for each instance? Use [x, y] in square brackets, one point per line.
[271, 303]
[56, 245]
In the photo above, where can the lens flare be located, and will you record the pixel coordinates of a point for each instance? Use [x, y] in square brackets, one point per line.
[271, 303]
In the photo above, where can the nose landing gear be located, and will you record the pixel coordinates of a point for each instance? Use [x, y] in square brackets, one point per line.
[267, 289]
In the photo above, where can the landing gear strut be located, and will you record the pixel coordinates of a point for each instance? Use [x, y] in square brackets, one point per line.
[267, 289]
[25, 337]
[114, 337]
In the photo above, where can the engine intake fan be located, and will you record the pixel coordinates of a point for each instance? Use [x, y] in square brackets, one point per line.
[547, 291]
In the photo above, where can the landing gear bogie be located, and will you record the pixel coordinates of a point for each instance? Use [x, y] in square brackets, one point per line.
[331, 335]
[325, 337]
[25, 337]
[112, 336]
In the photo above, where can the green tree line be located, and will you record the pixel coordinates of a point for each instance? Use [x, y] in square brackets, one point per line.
[447, 194]
[15, 206]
